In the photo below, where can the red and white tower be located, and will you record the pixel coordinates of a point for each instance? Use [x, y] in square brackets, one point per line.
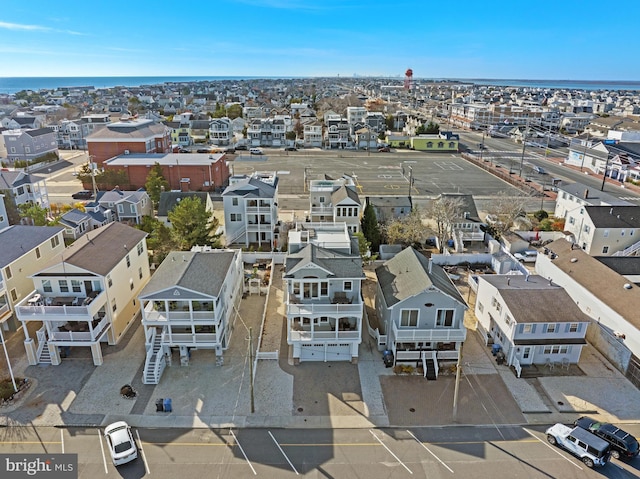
[408, 79]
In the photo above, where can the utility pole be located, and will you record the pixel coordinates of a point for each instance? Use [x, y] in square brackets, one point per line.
[584, 152]
[456, 388]
[253, 408]
[410, 181]
[524, 146]
[604, 176]
[6, 354]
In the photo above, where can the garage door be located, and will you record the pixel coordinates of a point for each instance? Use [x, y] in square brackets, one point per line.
[328, 352]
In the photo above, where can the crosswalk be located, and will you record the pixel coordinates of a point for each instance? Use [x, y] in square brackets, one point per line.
[629, 198]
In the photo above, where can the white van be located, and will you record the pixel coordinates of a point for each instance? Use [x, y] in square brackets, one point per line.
[255, 151]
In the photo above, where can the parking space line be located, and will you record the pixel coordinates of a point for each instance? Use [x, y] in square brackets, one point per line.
[391, 452]
[62, 440]
[242, 451]
[144, 456]
[430, 452]
[554, 449]
[104, 458]
[285, 456]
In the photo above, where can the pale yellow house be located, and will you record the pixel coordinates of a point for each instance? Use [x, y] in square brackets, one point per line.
[87, 294]
[23, 251]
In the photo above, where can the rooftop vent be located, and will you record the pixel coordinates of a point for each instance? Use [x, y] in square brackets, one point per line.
[574, 260]
[628, 286]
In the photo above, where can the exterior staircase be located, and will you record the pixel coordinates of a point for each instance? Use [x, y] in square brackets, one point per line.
[430, 369]
[632, 250]
[155, 362]
[43, 353]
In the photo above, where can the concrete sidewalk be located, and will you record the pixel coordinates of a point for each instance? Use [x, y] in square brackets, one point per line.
[327, 395]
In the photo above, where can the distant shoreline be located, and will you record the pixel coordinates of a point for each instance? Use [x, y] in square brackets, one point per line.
[10, 85]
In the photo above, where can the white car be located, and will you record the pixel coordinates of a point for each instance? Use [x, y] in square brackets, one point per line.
[120, 442]
[528, 256]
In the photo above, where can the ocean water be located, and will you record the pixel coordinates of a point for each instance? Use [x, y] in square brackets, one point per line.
[16, 84]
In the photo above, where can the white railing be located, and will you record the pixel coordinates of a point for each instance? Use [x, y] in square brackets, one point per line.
[4, 309]
[517, 366]
[41, 335]
[448, 355]
[265, 210]
[628, 251]
[322, 210]
[268, 355]
[46, 312]
[318, 308]
[316, 335]
[439, 334]
[80, 336]
[196, 316]
[188, 338]
[1, 285]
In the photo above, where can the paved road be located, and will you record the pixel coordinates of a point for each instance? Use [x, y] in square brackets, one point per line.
[465, 452]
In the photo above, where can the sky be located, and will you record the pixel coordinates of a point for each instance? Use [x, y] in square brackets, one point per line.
[495, 39]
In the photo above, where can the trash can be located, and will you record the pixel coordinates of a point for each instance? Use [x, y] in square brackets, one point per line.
[496, 348]
[500, 357]
[160, 405]
[387, 357]
[167, 405]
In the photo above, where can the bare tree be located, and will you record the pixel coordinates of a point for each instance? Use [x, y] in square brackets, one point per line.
[504, 209]
[407, 230]
[443, 212]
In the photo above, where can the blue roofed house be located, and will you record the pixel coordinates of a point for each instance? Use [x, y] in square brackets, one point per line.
[323, 301]
[190, 303]
[128, 206]
[22, 188]
[76, 223]
[420, 312]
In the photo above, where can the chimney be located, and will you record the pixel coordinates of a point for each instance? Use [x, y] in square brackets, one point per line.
[586, 193]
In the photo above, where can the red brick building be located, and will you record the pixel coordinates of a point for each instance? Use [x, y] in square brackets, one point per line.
[128, 136]
[183, 171]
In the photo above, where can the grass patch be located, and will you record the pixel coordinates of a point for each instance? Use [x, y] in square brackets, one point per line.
[6, 387]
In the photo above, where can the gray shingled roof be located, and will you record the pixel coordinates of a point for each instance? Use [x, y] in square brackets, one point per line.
[624, 265]
[407, 274]
[594, 197]
[100, 250]
[343, 192]
[17, 240]
[534, 300]
[599, 280]
[115, 196]
[39, 132]
[614, 216]
[169, 199]
[201, 272]
[74, 217]
[339, 265]
[251, 188]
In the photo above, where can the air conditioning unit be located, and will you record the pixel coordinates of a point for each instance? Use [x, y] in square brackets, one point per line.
[126, 152]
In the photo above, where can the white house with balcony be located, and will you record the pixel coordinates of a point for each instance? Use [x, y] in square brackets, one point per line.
[25, 188]
[190, 303]
[533, 319]
[220, 131]
[86, 294]
[251, 210]
[335, 200]
[312, 134]
[323, 301]
[420, 312]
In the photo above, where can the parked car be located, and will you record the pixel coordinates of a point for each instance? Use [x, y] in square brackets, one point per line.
[120, 442]
[82, 195]
[255, 151]
[528, 256]
[591, 450]
[242, 147]
[622, 443]
[203, 150]
[384, 149]
[290, 148]
[230, 149]
[540, 170]
[184, 150]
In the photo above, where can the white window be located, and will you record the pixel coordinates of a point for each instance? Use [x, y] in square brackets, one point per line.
[234, 201]
[37, 249]
[140, 272]
[55, 241]
[527, 328]
[605, 234]
[605, 249]
[76, 286]
[348, 286]
[109, 281]
[128, 261]
[481, 307]
[63, 285]
[140, 248]
[573, 327]
[113, 305]
[552, 327]
[621, 232]
[572, 220]
[7, 272]
[444, 318]
[46, 286]
[409, 318]
[236, 217]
